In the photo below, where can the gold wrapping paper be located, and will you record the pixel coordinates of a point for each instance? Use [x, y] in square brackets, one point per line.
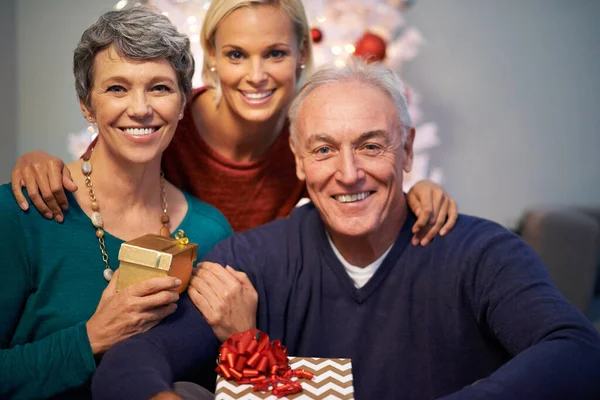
[152, 256]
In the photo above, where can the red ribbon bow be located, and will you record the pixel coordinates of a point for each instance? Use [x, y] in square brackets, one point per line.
[250, 357]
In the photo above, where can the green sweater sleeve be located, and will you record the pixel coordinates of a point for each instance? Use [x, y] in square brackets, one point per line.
[54, 363]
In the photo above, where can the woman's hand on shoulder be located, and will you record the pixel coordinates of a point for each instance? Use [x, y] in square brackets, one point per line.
[225, 297]
[132, 310]
[436, 211]
[45, 177]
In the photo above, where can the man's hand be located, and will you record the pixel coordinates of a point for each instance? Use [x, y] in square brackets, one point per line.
[46, 178]
[436, 211]
[225, 297]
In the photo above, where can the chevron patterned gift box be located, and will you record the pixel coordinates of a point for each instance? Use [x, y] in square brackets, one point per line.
[332, 380]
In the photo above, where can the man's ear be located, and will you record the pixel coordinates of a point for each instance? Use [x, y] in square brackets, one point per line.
[87, 113]
[299, 165]
[408, 149]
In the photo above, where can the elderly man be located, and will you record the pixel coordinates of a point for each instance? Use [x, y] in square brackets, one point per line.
[473, 315]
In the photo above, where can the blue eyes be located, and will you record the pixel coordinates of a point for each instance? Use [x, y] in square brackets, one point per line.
[368, 149]
[277, 53]
[236, 55]
[161, 88]
[115, 88]
[121, 89]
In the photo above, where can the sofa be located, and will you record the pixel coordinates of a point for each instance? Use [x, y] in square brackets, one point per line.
[568, 242]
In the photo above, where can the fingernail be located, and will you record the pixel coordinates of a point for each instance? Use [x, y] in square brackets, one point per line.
[178, 282]
[58, 218]
[64, 207]
[48, 215]
[424, 242]
[24, 205]
[442, 232]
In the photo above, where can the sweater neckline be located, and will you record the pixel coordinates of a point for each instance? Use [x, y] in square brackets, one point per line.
[79, 214]
[360, 295]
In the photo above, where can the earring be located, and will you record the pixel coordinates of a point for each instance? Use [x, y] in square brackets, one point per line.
[302, 66]
[212, 69]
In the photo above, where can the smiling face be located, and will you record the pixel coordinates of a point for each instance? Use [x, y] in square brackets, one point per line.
[257, 58]
[136, 104]
[350, 152]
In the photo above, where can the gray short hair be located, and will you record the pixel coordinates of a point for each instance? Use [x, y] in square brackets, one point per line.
[356, 70]
[137, 33]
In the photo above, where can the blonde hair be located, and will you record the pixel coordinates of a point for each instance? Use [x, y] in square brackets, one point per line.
[220, 9]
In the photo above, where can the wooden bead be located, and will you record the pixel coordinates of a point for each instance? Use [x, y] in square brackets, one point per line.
[164, 231]
[165, 219]
[99, 233]
[95, 206]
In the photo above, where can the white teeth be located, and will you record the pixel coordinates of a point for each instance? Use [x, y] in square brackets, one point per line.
[258, 96]
[350, 198]
[139, 131]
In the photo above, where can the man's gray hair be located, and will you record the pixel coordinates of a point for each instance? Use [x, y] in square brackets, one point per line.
[356, 70]
[137, 33]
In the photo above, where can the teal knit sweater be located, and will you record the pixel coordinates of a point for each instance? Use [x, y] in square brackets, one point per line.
[50, 284]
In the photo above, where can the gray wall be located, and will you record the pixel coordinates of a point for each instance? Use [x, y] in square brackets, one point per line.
[47, 33]
[514, 86]
[8, 83]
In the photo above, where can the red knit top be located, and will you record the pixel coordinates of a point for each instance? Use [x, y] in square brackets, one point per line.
[247, 193]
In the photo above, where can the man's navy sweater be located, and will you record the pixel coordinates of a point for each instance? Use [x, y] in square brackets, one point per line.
[473, 315]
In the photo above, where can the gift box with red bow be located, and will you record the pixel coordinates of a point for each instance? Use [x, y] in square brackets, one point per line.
[252, 367]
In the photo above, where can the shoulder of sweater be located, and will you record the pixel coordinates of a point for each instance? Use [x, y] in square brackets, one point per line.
[209, 214]
[470, 227]
[473, 238]
[7, 200]
[275, 233]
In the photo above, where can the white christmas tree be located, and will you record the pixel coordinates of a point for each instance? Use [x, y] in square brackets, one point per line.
[375, 29]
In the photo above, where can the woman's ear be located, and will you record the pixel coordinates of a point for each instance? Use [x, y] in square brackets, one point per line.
[87, 113]
[303, 56]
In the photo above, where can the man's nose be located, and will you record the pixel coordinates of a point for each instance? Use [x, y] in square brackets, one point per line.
[348, 169]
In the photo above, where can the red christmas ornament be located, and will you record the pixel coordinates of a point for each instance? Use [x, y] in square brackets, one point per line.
[317, 35]
[371, 47]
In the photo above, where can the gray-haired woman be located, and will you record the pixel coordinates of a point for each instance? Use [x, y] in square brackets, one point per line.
[61, 311]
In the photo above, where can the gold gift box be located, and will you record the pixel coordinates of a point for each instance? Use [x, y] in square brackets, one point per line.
[152, 256]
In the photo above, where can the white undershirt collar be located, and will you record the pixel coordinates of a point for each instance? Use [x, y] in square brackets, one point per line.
[360, 276]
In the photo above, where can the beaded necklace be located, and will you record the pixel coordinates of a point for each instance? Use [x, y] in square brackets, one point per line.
[96, 218]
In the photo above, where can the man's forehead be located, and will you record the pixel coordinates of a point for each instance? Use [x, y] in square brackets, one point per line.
[346, 107]
[346, 98]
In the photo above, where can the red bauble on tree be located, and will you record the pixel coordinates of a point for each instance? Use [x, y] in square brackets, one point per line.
[316, 35]
[371, 47]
